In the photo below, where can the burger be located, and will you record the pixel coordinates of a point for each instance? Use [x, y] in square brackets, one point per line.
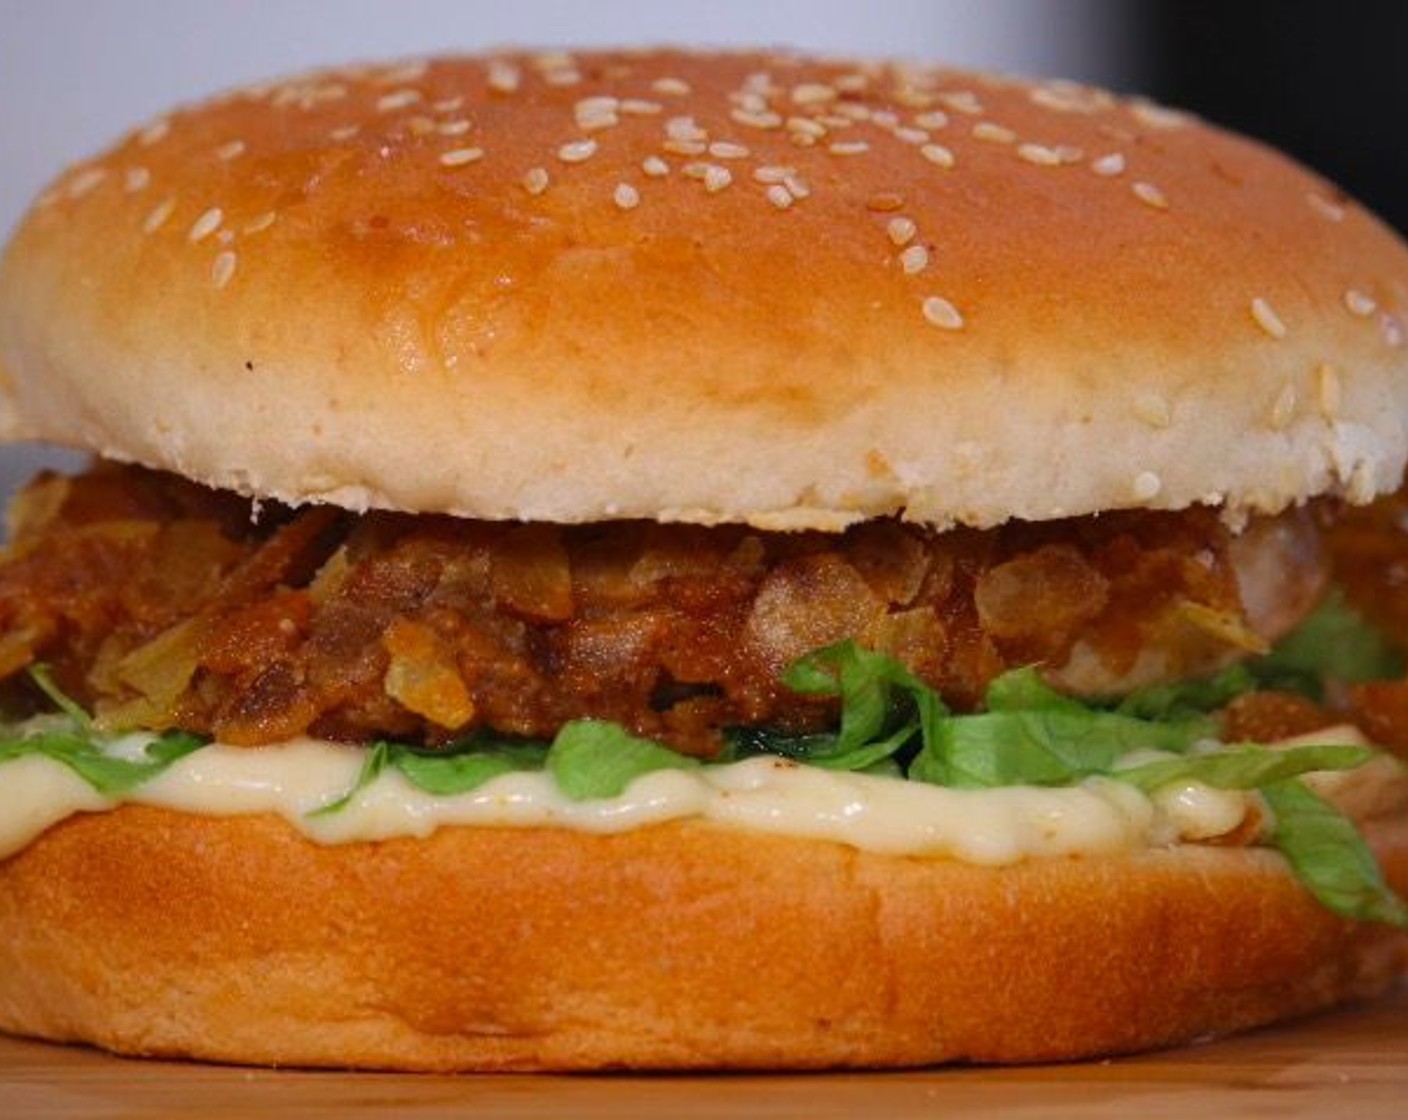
[676, 560]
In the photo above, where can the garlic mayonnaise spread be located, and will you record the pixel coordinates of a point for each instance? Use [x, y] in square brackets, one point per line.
[294, 780]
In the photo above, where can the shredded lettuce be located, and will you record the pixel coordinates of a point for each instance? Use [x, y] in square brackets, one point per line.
[1330, 856]
[71, 739]
[592, 758]
[893, 724]
[1334, 644]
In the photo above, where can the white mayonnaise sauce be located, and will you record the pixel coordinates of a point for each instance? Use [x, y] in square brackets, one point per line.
[760, 794]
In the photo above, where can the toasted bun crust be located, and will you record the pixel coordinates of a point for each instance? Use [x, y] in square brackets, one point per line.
[157, 933]
[694, 287]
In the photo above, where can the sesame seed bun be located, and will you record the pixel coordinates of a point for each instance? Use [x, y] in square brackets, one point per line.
[709, 288]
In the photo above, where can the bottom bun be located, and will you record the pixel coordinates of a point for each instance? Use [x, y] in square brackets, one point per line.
[155, 933]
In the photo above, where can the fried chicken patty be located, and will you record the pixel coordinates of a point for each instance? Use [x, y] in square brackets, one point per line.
[157, 603]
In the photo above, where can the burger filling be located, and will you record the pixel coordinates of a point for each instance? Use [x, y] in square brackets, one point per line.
[157, 603]
[1156, 649]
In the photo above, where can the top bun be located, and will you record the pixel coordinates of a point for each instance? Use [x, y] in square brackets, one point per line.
[709, 287]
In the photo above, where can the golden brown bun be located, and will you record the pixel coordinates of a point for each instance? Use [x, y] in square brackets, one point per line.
[342, 287]
[156, 933]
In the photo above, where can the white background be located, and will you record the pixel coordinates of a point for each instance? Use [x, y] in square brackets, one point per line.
[75, 74]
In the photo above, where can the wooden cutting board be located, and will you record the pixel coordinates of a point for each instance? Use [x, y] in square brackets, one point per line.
[1352, 1065]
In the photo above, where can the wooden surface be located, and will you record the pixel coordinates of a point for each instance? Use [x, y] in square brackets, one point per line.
[1351, 1065]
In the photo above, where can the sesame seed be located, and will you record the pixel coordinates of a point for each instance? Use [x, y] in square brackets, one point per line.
[154, 132]
[157, 218]
[806, 127]
[1066, 98]
[848, 147]
[136, 179]
[626, 196]
[770, 173]
[590, 106]
[85, 181]
[884, 202]
[913, 98]
[1283, 409]
[1330, 392]
[223, 268]
[655, 167]
[685, 147]
[1153, 409]
[851, 83]
[764, 119]
[937, 154]
[911, 135]
[206, 224]
[723, 149]
[233, 150]
[553, 60]
[685, 128]
[448, 104]
[639, 107]
[813, 93]
[901, 231]
[346, 132]
[1069, 153]
[934, 118]
[576, 151]
[993, 133]
[676, 87]
[1359, 304]
[796, 186]
[398, 99]
[1039, 154]
[1146, 486]
[1267, 319]
[962, 101]
[1157, 116]
[504, 77]
[535, 181]
[406, 72]
[261, 223]
[1150, 195]
[562, 76]
[1324, 207]
[595, 122]
[453, 128]
[779, 196]
[458, 157]
[1108, 165]
[941, 313]
[915, 259]
[717, 178]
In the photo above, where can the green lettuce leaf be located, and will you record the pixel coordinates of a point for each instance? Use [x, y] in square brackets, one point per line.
[110, 775]
[377, 758]
[462, 769]
[1039, 747]
[1187, 700]
[592, 758]
[1244, 766]
[1334, 644]
[882, 703]
[1330, 856]
[74, 742]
